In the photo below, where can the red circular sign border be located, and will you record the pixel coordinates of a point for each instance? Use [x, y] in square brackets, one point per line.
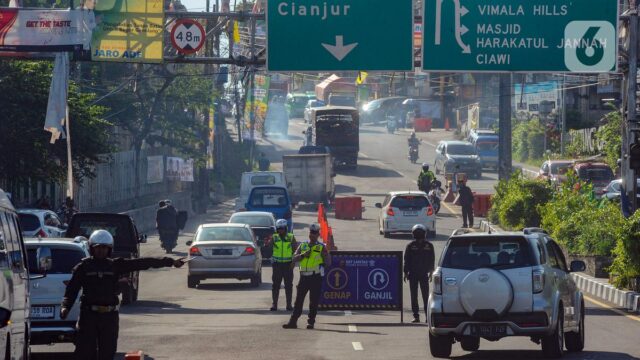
[187, 21]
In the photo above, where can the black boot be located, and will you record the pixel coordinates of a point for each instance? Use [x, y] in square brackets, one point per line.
[310, 324]
[289, 295]
[274, 307]
[292, 324]
[416, 319]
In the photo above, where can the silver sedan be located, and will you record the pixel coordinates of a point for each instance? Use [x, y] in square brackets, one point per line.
[224, 251]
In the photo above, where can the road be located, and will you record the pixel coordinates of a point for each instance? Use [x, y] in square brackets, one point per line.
[230, 320]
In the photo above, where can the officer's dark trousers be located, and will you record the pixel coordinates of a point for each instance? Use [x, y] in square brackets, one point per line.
[467, 216]
[423, 282]
[97, 337]
[282, 271]
[311, 284]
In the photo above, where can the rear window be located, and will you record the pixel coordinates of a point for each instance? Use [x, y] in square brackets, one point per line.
[596, 174]
[269, 197]
[459, 149]
[29, 222]
[258, 180]
[487, 146]
[560, 168]
[504, 252]
[410, 202]
[224, 234]
[118, 227]
[259, 221]
[63, 260]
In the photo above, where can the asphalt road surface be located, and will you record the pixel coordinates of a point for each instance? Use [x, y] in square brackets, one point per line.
[228, 319]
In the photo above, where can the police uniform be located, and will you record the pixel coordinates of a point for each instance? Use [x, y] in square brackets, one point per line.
[311, 274]
[419, 261]
[97, 337]
[281, 263]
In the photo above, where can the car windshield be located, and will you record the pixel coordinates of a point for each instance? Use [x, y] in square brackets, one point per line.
[487, 146]
[29, 222]
[461, 149]
[560, 168]
[342, 101]
[601, 174]
[269, 197]
[409, 202]
[62, 260]
[223, 234]
[501, 252]
[259, 221]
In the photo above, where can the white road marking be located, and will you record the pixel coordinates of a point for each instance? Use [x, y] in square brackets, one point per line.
[348, 313]
[353, 328]
[357, 346]
[364, 155]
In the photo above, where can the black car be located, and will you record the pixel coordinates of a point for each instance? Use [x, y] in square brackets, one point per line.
[126, 242]
[376, 111]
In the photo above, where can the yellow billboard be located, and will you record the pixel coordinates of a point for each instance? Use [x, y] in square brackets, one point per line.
[128, 31]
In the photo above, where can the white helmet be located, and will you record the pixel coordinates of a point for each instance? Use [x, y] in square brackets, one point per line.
[281, 224]
[418, 227]
[314, 228]
[101, 237]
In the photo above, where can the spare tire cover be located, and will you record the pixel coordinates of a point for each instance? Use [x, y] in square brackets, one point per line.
[486, 289]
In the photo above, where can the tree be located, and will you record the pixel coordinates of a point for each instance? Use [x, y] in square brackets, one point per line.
[157, 105]
[611, 137]
[25, 151]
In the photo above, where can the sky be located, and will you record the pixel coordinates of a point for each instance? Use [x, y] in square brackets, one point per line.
[199, 5]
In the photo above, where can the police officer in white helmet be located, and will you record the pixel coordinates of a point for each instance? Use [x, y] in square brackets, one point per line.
[98, 276]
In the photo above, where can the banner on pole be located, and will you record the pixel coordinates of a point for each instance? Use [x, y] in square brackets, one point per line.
[155, 169]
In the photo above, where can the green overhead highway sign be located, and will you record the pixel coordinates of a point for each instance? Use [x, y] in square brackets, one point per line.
[316, 35]
[520, 35]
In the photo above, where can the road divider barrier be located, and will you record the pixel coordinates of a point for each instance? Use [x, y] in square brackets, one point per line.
[422, 125]
[348, 208]
[481, 204]
[326, 233]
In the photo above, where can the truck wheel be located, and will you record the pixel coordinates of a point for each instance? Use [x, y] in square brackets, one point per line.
[127, 295]
[440, 346]
[192, 282]
[574, 341]
[553, 345]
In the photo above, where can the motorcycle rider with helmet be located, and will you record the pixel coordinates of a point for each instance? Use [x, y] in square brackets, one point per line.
[425, 178]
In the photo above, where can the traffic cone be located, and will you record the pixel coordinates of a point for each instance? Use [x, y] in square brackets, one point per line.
[446, 124]
[136, 355]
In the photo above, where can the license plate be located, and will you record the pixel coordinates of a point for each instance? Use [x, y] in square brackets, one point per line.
[43, 312]
[221, 252]
[489, 330]
[410, 213]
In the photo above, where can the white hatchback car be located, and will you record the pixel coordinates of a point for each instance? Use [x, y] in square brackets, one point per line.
[401, 210]
[41, 223]
[47, 293]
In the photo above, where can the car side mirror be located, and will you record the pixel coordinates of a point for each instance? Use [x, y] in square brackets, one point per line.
[45, 260]
[379, 205]
[577, 266]
[304, 131]
[189, 243]
[143, 239]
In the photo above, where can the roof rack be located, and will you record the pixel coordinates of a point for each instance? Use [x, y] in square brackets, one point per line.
[534, 230]
[460, 231]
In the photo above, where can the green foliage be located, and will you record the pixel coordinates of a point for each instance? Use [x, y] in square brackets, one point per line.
[25, 151]
[575, 148]
[626, 263]
[515, 204]
[528, 140]
[610, 135]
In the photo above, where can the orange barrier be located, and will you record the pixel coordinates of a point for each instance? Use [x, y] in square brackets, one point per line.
[348, 208]
[446, 124]
[137, 355]
[422, 125]
[481, 204]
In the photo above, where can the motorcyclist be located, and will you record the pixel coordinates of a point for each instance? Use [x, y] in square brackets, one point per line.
[425, 178]
[413, 140]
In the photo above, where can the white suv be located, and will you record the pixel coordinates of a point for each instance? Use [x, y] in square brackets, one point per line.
[47, 293]
[401, 210]
[505, 284]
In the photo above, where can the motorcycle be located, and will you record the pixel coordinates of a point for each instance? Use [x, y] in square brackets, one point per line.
[392, 124]
[434, 195]
[413, 154]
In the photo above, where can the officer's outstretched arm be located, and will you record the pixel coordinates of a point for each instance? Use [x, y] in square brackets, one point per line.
[129, 265]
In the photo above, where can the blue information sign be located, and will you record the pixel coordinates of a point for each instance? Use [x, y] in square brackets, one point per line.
[363, 280]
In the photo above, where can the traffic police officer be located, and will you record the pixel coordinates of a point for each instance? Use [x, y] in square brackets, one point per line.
[97, 276]
[313, 257]
[284, 244]
[419, 261]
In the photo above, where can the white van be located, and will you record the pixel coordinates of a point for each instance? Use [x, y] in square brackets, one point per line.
[252, 179]
[14, 285]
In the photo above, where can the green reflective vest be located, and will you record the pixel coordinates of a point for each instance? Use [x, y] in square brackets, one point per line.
[282, 248]
[313, 262]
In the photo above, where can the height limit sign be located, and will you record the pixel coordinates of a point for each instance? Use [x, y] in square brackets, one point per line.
[187, 36]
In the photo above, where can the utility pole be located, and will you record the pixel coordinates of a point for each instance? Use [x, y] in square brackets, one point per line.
[629, 124]
[563, 118]
[504, 128]
[252, 113]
